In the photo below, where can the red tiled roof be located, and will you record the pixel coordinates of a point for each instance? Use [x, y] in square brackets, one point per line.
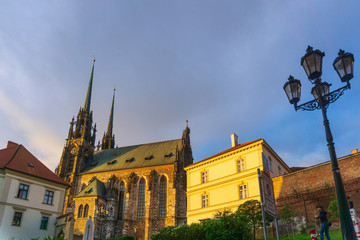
[18, 158]
[228, 150]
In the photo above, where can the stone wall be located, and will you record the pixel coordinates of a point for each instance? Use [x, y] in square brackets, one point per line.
[142, 229]
[312, 186]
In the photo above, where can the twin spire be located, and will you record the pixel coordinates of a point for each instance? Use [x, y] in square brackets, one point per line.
[88, 93]
[108, 139]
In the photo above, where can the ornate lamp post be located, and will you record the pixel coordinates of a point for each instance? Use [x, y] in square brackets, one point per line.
[312, 64]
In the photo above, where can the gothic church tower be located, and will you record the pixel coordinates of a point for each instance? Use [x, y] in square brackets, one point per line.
[79, 147]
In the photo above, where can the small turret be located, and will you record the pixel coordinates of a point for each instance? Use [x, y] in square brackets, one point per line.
[108, 141]
[186, 147]
[71, 128]
[186, 135]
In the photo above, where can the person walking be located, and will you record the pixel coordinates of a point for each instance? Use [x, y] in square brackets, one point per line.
[324, 228]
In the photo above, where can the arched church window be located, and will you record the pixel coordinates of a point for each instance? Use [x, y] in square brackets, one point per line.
[86, 211]
[80, 212]
[162, 197]
[141, 200]
[121, 201]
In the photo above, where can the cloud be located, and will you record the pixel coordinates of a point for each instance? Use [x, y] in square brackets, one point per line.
[319, 155]
[41, 139]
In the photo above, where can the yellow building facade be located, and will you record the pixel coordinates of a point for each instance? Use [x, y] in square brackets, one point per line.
[229, 178]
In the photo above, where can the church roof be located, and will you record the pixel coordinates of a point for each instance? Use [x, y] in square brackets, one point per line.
[16, 157]
[137, 156]
[95, 188]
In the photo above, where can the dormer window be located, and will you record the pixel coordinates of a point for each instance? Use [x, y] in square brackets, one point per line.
[93, 164]
[169, 155]
[130, 160]
[90, 191]
[112, 162]
[31, 164]
[149, 157]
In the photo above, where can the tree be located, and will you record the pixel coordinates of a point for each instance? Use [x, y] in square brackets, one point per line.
[333, 209]
[286, 215]
[226, 225]
[252, 211]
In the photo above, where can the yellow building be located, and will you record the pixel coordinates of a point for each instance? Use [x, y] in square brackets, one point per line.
[229, 178]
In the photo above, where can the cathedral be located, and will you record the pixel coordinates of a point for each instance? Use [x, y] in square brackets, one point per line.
[132, 190]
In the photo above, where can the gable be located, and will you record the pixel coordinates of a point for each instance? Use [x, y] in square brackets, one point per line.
[16, 157]
[95, 188]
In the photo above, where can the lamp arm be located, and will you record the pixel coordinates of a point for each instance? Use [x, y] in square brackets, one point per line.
[332, 97]
[308, 106]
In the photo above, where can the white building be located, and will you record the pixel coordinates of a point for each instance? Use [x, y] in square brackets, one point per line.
[31, 195]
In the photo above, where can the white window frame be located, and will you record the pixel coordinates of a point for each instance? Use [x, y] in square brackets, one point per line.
[240, 165]
[243, 191]
[204, 176]
[205, 200]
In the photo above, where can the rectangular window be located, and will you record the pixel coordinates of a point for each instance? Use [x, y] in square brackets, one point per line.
[279, 170]
[23, 191]
[243, 191]
[240, 165]
[49, 195]
[44, 222]
[204, 177]
[205, 200]
[270, 163]
[17, 219]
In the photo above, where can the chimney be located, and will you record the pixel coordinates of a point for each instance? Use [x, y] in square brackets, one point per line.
[11, 144]
[234, 140]
[354, 151]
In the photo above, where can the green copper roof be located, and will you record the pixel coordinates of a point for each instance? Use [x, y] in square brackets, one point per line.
[110, 125]
[95, 188]
[88, 93]
[144, 155]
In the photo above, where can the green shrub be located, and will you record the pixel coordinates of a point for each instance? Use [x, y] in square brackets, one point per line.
[123, 238]
[225, 226]
[333, 210]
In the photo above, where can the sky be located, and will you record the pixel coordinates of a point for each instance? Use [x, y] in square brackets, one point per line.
[219, 64]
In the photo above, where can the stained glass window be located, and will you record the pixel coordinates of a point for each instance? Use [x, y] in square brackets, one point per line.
[141, 200]
[86, 211]
[162, 195]
[121, 201]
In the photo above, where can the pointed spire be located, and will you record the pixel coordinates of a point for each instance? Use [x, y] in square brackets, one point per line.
[88, 93]
[111, 118]
[186, 134]
[108, 141]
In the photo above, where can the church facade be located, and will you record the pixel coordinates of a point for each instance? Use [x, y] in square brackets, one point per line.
[133, 190]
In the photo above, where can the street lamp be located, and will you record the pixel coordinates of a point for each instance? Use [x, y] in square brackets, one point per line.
[312, 64]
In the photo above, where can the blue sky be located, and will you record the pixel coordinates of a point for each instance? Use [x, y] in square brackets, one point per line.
[219, 64]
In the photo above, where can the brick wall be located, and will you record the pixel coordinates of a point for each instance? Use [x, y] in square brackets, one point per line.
[307, 188]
